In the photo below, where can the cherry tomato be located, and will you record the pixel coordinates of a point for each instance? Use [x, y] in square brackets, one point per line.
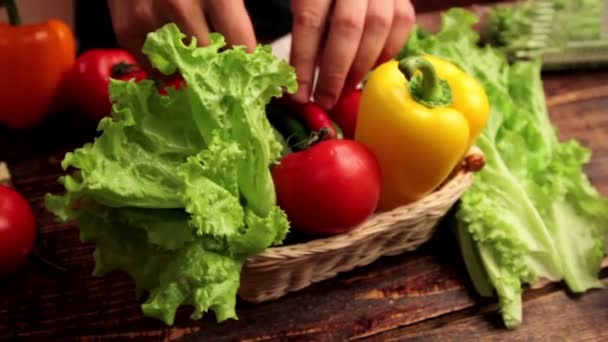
[329, 188]
[345, 112]
[17, 230]
[314, 117]
[90, 78]
[176, 82]
[126, 72]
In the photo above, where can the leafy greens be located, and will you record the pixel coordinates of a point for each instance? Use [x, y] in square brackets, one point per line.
[513, 26]
[176, 190]
[531, 213]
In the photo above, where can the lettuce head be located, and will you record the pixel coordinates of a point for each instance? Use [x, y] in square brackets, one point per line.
[176, 190]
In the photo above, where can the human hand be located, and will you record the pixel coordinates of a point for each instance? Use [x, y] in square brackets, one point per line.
[347, 38]
[134, 19]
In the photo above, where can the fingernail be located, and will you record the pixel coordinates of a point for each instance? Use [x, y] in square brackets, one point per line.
[303, 93]
[326, 101]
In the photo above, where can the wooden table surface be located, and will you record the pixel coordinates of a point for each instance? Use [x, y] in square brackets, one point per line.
[419, 295]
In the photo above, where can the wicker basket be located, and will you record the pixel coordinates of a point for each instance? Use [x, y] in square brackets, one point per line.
[284, 269]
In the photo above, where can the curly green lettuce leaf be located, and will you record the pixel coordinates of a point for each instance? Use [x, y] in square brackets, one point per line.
[231, 93]
[531, 212]
[145, 140]
[573, 210]
[176, 191]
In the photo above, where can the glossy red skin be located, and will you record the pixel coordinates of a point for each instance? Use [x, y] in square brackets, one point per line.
[346, 110]
[90, 78]
[176, 82]
[329, 188]
[17, 231]
[313, 116]
[137, 74]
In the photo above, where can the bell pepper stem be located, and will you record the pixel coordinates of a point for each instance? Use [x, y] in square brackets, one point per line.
[11, 9]
[430, 86]
[431, 90]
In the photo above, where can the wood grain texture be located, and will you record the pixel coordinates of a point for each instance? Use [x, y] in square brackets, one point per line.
[420, 295]
[568, 318]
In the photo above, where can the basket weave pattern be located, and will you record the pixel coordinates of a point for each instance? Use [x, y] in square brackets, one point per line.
[284, 269]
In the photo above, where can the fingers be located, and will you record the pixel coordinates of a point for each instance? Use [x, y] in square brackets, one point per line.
[346, 29]
[189, 16]
[403, 21]
[378, 23]
[230, 17]
[131, 21]
[361, 34]
[309, 18]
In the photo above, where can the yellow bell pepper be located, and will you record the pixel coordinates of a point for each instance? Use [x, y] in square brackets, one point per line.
[419, 116]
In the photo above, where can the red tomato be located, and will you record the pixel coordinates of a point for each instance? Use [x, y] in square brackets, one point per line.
[313, 116]
[17, 230]
[176, 82]
[90, 77]
[126, 72]
[345, 112]
[329, 188]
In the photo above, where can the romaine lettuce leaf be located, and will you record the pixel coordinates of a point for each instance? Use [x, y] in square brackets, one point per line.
[531, 212]
[176, 191]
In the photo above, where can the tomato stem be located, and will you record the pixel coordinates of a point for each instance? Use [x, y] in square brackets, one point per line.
[123, 68]
[12, 11]
[325, 133]
[431, 90]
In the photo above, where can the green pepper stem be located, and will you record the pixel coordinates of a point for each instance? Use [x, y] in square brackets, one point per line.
[11, 9]
[430, 89]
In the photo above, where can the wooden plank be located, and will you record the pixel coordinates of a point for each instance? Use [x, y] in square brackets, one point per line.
[407, 288]
[581, 318]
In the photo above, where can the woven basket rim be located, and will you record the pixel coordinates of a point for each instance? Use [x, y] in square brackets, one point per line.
[460, 180]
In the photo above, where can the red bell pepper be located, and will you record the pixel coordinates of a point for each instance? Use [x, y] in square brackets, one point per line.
[34, 61]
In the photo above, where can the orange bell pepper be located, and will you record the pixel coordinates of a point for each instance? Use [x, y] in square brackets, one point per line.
[34, 60]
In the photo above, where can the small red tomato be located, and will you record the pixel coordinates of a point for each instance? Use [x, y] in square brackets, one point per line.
[313, 116]
[329, 188]
[17, 230]
[345, 112]
[127, 72]
[176, 82]
[90, 78]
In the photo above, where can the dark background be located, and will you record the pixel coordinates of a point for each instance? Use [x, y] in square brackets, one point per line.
[271, 19]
